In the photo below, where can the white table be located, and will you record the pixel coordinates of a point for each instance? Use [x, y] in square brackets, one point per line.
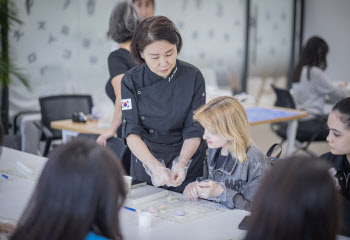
[15, 193]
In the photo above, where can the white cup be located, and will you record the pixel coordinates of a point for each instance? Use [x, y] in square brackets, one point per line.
[128, 180]
[145, 219]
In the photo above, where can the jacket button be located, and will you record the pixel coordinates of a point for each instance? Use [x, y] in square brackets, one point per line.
[139, 92]
[124, 121]
[142, 118]
[151, 131]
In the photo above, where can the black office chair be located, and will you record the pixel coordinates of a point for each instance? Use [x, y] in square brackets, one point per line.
[60, 107]
[117, 146]
[304, 137]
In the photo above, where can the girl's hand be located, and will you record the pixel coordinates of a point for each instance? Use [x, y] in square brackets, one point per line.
[190, 191]
[209, 189]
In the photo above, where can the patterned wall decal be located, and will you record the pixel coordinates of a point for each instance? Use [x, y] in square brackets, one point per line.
[42, 70]
[62, 43]
[211, 33]
[283, 16]
[31, 57]
[41, 25]
[65, 30]
[67, 54]
[199, 3]
[184, 5]
[91, 4]
[86, 43]
[93, 59]
[17, 34]
[30, 5]
[227, 37]
[219, 10]
[180, 25]
[66, 4]
[195, 35]
[51, 39]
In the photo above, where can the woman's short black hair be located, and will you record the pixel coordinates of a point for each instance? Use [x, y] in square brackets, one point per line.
[151, 30]
[313, 54]
[123, 22]
[297, 199]
[343, 107]
[81, 189]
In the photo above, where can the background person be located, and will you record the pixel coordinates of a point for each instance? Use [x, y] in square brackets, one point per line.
[339, 155]
[159, 98]
[311, 87]
[78, 196]
[297, 199]
[235, 165]
[122, 24]
[144, 7]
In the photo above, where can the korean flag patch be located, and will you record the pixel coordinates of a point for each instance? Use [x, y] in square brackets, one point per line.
[126, 104]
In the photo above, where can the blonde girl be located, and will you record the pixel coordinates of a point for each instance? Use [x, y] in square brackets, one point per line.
[235, 164]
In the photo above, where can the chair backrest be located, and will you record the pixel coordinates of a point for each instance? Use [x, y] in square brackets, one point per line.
[62, 107]
[283, 97]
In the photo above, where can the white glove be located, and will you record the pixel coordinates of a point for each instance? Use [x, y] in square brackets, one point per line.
[209, 189]
[160, 175]
[178, 172]
[190, 191]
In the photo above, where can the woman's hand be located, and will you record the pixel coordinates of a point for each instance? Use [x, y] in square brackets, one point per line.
[161, 176]
[178, 173]
[209, 189]
[190, 191]
[102, 139]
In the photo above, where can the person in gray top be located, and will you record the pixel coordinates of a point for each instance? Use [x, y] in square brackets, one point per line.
[311, 88]
[235, 165]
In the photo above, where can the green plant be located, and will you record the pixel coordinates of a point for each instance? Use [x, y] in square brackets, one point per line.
[8, 69]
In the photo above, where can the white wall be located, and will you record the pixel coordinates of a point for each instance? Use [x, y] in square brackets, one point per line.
[331, 20]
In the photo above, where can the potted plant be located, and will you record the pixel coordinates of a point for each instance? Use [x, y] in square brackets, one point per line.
[8, 69]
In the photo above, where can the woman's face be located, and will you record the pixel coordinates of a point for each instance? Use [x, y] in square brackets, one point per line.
[145, 8]
[160, 57]
[215, 140]
[339, 136]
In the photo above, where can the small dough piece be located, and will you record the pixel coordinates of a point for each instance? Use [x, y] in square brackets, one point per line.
[179, 212]
[153, 210]
[162, 207]
[171, 197]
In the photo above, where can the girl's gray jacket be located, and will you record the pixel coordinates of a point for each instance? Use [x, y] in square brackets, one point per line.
[239, 180]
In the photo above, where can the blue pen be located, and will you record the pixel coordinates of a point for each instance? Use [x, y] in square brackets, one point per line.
[4, 176]
[131, 209]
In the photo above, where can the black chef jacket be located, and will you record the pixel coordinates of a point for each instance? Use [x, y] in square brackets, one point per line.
[160, 110]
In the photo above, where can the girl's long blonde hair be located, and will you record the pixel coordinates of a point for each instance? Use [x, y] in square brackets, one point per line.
[225, 116]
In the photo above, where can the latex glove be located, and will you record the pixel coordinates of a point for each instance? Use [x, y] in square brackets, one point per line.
[178, 175]
[179, 171]
[161, 176]
[190, 191]
[209, 189]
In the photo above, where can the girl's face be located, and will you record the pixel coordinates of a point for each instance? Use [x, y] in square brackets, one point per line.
[338, 137]
[214, 140]
[160, 57]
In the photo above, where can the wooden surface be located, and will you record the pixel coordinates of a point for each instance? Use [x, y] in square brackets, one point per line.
[88, 127]
[272, 115]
